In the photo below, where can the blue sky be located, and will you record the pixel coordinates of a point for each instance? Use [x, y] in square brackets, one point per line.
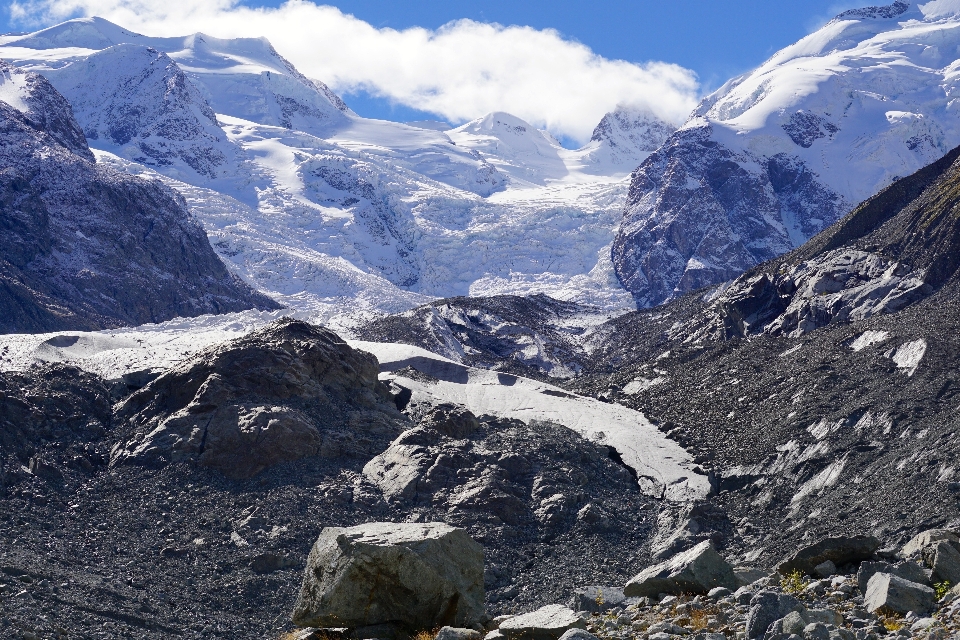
[537, 76]
[716, 39]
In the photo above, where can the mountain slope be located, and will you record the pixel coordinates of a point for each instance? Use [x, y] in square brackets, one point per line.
[819, 388]
[84, 246]
[777, 155]
[334, 213]
[136, 102]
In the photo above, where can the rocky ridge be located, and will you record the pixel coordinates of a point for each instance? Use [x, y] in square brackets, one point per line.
[82, 242]
[175, 532]
[777, 155]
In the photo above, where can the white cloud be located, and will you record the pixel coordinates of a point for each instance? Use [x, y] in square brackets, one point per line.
[460, 71]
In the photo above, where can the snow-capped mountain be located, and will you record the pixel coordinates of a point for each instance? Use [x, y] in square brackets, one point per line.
[777, 155]
[325, 210]
[81, 242]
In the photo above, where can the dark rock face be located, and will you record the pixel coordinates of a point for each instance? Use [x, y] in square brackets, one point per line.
[286, 392]
[137, 99]
[53, 422]
[535, 336]
[838, 550]
[698, 214]
[891, 251]
[84, 247]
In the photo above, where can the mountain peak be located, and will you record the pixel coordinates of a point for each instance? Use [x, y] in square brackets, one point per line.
[84, 33]
[898, 8]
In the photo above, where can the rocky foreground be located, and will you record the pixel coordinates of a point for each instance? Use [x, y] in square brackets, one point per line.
[384, 581]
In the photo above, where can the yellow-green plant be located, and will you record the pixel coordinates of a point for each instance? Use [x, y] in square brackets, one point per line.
[891, 621]
[600, 600]
[794, 582]
[942, 588]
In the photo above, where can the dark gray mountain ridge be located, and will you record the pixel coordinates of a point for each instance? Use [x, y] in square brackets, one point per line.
[85, 247]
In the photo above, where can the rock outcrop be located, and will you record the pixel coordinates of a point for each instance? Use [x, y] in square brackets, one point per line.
[546, 623]
[85, 247]
[839, 550]
[887, 592]
[697, 570]
[416, 576]
[282, 393]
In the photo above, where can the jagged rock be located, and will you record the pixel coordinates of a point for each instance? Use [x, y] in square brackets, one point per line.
[944, 559]
[766, 607]
[694, 571]
[825, 569]
[418, 575]
[547, 623]
[288, 391]
[908, 570]
[83, 242]
[839, 550]
[456, 633]
[578, 634]
[793, 623]
[886, 591]
[596, 599]
[926, 539]
[816, 631]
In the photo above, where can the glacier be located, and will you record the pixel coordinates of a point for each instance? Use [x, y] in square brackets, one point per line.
[334, 214]
[778, 154]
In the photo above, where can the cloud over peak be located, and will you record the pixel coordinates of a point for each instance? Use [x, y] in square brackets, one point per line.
[461, 71]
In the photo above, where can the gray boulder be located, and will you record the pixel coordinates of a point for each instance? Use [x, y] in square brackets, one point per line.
[596, 599]
[908, 570]
[418, 576]
[926, 539]
[766, 608]
[546, 623]
[578, 634]
[793, 623]
[892, 593]
[944, 560]
[838, 550]
[697, 570]
[456, 633]
[816, 631]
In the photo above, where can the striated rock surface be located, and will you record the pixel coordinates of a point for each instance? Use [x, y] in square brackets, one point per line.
[839, 550]
[85, 247]
[285, 392]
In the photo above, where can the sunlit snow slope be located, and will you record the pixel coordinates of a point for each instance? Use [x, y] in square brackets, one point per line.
[325, 210]
[777, 155]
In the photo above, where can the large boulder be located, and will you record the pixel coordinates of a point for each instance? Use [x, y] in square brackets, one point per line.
[547, 623]
[697, 570]
[887, 592]
[908, 570]
[927, 539]
[840, 550]
[766, 608]
[416, 576]
[596, 599]
[284, 392]
[944, 560]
